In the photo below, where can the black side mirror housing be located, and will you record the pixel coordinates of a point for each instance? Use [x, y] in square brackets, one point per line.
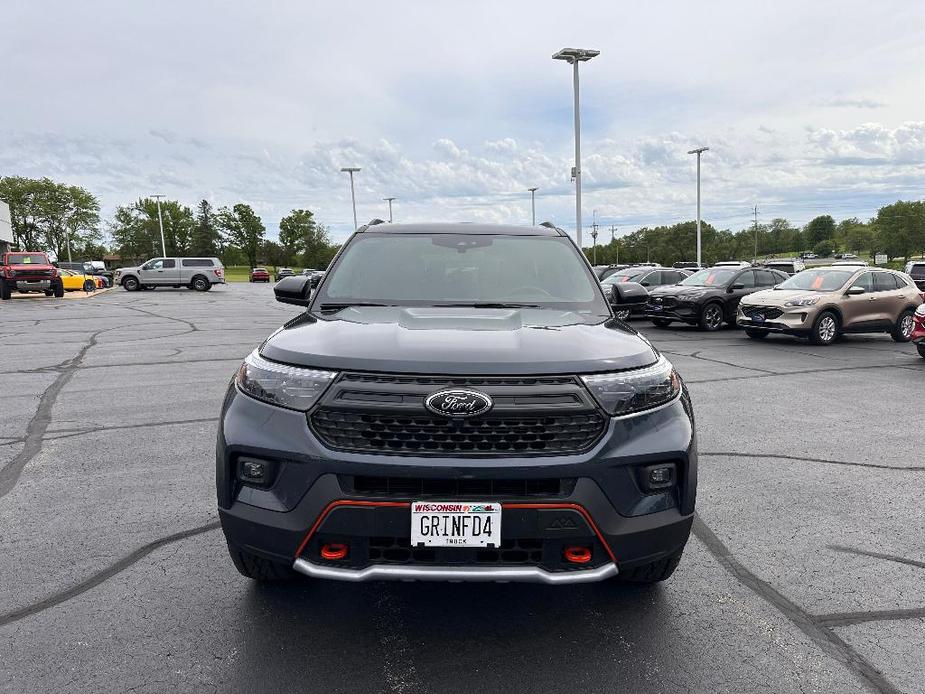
[294, 290]
[627, 293]
[736, 286]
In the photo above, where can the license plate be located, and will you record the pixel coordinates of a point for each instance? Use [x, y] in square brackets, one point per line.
[455, 524]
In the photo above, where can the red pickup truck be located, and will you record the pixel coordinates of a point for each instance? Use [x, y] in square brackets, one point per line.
[29, 271]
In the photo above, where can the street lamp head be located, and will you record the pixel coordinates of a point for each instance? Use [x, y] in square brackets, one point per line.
[698, 150]
[576, 55]
[532, 190]
[350, 169]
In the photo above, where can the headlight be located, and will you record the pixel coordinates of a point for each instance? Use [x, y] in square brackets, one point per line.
[626, 392]
[920, 311]
[279, 384]
[809, 301]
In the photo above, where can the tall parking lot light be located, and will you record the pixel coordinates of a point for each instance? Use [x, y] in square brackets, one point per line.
[160, 221]
[575, 56]
[389, 200]
[352, 170]
[533, 203]
[698, 152]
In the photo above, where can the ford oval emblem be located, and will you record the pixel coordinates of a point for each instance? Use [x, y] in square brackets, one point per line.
[458, 403]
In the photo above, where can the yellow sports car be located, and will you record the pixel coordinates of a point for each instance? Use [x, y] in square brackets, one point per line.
[76, 281]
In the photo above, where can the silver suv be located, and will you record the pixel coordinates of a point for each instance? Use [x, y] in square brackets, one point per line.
[196, 273]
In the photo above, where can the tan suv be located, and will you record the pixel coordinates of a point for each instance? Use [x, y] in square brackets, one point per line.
[822, 303]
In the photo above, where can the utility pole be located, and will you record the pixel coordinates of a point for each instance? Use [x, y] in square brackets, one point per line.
[160, 221]
[390, 207]
[594, 237]
[613, 232]
[755, 257]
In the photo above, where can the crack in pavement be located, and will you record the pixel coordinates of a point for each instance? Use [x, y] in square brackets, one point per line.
[101, 576]
[847, 619]
[696, 355]
[775, 374]
[38, 424]
[877, 466]
[67, 433]
[818, 633]
[877, 555]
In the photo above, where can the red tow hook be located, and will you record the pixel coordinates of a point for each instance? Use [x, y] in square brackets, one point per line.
[578, 555]
[335, 551]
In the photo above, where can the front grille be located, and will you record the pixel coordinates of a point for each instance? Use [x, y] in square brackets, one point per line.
[665, 301]
[385, 413]
[418, 487]
[489, 435]
[768, 312]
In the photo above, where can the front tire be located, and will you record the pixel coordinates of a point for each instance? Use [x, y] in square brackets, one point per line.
[825, 329]
[89, 286]
[130, 284]
[902, 331]
[711, 318]
[921, 348]
[655, 572]
[58, 289]
[258, 568]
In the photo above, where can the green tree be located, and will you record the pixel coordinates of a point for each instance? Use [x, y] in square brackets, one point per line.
[136, 230]
[784, 237]
[205, 238]
[295, 229]
[242, 228]
[900, 228]
[853, 235]
[48, 215]
[824, 248]
[822, 228]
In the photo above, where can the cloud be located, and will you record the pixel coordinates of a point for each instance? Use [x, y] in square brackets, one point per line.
[842, 102]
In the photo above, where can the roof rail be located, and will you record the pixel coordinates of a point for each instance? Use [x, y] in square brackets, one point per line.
[370, 223]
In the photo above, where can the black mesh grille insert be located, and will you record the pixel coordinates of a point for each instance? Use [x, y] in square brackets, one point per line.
[769, 313]
[416, 487]
[481, 436]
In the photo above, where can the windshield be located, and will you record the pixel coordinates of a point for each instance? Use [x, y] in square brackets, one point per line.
[817, 280]
[710, 277]
[27, 259]
[459, 269]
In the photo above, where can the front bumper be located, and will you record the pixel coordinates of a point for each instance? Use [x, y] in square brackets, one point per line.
[794, 321]
[687, 312]
[312, 502]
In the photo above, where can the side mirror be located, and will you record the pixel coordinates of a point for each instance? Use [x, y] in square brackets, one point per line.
[645, 284]
[293, 290]
[627, 293]
[737, 285]
[855, 290]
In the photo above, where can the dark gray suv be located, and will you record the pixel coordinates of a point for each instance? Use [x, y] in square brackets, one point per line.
[457, 402]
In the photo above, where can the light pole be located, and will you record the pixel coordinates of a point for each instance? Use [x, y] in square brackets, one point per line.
[594, 237]
[389, 200]
[755, 257]
[160, 221]
[533, 203]
[352, 170]
[575, 56]
[698, 152]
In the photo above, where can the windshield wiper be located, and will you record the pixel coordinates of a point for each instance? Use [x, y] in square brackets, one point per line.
[348, 304]
[488, 304]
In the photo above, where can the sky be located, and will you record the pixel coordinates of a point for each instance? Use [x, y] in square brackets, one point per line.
[456, 108]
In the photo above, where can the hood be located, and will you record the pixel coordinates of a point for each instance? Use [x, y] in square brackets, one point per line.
[458, 341]
[777, 297]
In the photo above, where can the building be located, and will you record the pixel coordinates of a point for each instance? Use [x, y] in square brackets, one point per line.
[6, 228]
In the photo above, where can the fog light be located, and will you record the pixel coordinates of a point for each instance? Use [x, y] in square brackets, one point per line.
[654, 478]
[255, 471]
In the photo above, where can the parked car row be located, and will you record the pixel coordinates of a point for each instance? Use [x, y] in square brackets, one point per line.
[820, 304]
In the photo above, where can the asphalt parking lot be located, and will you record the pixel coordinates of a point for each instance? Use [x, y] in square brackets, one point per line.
[806, 572]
